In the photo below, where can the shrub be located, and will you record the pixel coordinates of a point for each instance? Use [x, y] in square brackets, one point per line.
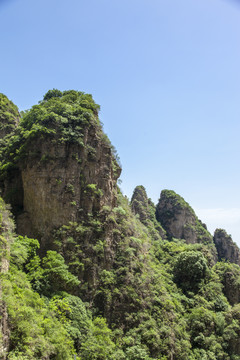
[189, 270]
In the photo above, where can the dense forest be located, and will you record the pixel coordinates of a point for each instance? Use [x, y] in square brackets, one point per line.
[87, 273]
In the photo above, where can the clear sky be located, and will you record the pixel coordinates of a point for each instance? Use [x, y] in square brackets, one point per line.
[167, 77]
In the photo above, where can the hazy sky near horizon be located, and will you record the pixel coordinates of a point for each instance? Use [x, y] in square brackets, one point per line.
[167, 77]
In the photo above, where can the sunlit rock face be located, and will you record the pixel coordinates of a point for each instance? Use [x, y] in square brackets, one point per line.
[65, 187]
[179, 219]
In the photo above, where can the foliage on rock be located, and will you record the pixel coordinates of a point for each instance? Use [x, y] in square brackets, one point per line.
[143, 207]
[180, 221]
[9, 116]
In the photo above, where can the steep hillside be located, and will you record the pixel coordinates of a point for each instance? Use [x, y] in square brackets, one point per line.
[30, 327]
[102, 278]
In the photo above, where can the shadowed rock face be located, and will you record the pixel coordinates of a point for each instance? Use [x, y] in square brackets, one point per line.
[226, 248]
[229, 274]
[179, 220]
[231, 288]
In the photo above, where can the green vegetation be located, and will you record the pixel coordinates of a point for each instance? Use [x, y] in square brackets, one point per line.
[161, 298]
[60, 117]
[145, 209]
[9, 116]
[176, 199]
[109, 284]
[190, 270]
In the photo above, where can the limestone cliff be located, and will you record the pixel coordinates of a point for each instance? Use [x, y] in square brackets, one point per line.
[179, 220]
[59, 167]
[226, 248]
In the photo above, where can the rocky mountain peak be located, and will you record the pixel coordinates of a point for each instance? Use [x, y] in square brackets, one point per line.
[139, 203]
[143, 207]
[179, 219]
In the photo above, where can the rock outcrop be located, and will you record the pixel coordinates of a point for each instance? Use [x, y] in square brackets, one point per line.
[226, 248]
[143, 207]
[139, 203]
[179, 219]
[64, 170]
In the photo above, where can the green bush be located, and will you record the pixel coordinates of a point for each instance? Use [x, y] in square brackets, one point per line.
[189, 270]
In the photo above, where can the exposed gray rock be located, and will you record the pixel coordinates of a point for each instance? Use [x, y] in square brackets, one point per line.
[179, 219]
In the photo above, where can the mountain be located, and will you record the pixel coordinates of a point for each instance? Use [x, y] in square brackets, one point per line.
[87, 273]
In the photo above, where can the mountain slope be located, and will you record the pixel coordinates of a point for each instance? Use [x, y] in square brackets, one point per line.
[106, 279]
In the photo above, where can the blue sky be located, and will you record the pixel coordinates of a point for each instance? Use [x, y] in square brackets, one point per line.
[166, 74]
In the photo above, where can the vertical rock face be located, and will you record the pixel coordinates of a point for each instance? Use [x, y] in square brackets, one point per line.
[9, 116]
[143, 207]
[62, 188]
[179, 220]
[65, 167]
[226, 248]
